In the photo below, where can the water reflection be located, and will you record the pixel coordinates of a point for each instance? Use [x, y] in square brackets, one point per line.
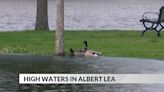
[11, 66]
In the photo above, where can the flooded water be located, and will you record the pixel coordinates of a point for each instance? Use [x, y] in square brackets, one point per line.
[79, 14]
[11, 66]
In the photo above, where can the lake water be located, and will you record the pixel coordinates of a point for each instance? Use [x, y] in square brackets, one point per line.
[12, 65]
[79, 14]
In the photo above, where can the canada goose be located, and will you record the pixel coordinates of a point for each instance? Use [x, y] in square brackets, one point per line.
[85, 52]
[88, 52]
[76, 53]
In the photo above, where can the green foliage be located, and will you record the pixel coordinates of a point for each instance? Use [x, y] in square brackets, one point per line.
[110, 43]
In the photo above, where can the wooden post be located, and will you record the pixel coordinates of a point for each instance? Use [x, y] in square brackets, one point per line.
[60, 28]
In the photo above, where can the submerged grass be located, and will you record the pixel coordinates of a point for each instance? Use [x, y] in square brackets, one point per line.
[110, 43]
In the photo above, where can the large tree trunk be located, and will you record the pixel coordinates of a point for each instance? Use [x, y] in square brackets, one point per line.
[42, 15]
[60, 28]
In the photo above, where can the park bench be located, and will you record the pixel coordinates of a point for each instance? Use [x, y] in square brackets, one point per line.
[154, 23]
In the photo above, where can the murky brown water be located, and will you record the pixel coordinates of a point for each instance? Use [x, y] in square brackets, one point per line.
[79, 14]
[11, 66]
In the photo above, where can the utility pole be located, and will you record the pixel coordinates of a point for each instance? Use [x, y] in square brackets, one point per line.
[60, 28]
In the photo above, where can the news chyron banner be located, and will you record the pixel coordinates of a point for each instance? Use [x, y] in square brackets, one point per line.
[91, 78]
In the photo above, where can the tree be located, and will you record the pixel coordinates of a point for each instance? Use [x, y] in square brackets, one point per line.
[42, 15]
[60, 28]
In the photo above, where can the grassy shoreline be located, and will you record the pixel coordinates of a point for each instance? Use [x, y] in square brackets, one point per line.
[110, 43]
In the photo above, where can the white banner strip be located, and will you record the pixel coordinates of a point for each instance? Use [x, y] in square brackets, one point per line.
[91, 78]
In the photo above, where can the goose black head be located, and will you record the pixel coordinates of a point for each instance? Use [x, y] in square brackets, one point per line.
[71, 50]
[86, 45]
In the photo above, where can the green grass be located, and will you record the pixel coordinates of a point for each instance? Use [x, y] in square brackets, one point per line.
[110, 43]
